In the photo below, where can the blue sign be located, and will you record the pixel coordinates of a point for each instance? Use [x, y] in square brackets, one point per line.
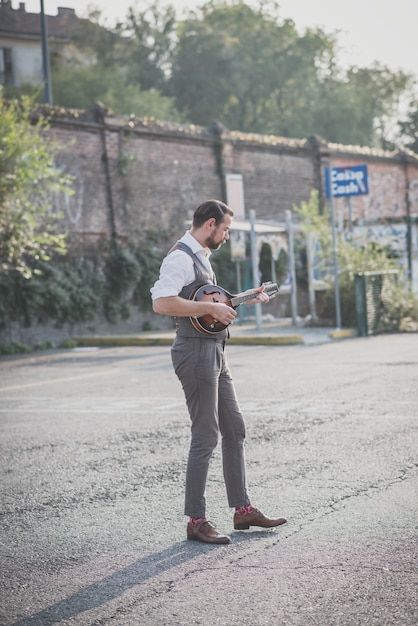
[346, 181]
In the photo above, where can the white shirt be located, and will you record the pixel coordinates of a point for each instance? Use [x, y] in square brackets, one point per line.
[177, 269]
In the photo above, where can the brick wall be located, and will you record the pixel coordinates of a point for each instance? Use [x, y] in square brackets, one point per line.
[388, 183]
[135, 176]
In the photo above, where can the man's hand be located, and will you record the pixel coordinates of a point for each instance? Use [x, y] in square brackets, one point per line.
[180, 307]
[222, 312]
[259, 295]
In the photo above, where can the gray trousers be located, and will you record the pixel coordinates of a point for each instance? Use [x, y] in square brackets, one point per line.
[202, 368]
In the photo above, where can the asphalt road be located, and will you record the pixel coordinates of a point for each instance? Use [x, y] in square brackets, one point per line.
[93, 452]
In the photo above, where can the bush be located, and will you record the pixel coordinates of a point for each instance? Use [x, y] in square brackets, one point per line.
[399, 309]
[398, 302]
[15, 348]
[72, 290]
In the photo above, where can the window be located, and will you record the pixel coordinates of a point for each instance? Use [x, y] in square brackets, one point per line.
[6, 67]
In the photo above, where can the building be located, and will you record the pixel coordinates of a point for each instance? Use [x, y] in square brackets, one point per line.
[21, 42]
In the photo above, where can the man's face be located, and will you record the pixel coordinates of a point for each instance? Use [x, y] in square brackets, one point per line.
[219, 234]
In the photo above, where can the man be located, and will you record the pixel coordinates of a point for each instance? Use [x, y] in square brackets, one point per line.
[200, 363]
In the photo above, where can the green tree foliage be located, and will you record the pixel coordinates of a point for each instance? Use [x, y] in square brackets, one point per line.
[365, 101]
[242, 66]
[254, 72]
[149, 257]
[78, 86]
[409, 127]
[120, 66]
[234, 61]
[72, 289]
[28, 180]
[149, 34]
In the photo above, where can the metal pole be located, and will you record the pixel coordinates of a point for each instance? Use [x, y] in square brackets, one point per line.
[310, 248]
[292, 268]
[45, 58]
[239, 288]
[254, 262]
[350, 214]
[334, 247]
[408, 221]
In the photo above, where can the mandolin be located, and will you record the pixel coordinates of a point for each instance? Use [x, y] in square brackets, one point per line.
[207, 324]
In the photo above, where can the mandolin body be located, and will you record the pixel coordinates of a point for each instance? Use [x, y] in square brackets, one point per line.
[207, 324]
[210, 293]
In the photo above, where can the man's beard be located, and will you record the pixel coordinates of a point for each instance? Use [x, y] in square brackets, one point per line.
[212, 245]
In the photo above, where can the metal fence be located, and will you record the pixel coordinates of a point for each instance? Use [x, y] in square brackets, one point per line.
[370, 289]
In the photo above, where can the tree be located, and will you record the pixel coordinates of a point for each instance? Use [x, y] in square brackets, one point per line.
[254, 72]
[78, 86]
[409, 127]
[120, 66]
[28, 179]
[356, 108]
[237, 64]
[150, 37]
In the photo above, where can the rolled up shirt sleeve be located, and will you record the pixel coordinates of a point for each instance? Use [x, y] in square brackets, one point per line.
[176, 271]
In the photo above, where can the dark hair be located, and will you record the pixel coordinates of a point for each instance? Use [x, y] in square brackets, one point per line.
[211, 209]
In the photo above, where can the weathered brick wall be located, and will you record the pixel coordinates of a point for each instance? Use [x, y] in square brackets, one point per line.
[388, 183]
[151, 181]
[382, 216]
[275, 179]
[86, 210]
[132, 178]
[164, 181]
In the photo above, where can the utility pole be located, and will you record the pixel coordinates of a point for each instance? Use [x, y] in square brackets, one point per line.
[45, 58]
[292, 268]
[335, 255]
[254, 263]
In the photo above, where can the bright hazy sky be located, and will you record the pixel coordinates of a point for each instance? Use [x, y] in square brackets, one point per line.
[370, 30]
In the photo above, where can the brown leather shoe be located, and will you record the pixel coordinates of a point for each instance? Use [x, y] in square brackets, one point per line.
[207, 533]
[256, 518]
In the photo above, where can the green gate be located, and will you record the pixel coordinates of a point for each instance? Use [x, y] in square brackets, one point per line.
[369, 289]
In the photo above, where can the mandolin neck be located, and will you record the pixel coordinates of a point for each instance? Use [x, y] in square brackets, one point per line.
[270, 290]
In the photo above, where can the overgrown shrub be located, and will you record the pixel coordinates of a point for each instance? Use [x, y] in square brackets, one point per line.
[121, 274]
[72, 290]
[398, 302]
[399, 309]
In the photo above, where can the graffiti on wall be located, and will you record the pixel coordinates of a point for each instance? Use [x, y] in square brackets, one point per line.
[392, 236]
[71, 206]
[387, 197]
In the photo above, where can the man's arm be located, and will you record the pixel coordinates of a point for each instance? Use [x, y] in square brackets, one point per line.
[180, 307]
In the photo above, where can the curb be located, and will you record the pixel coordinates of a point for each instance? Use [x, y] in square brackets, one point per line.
[269, 340]
[343, 334]
[167, 339]
[89, 342]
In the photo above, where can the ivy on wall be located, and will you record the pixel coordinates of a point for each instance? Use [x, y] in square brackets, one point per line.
[77, 289]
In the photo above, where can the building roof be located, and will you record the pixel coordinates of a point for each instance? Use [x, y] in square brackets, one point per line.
[17, 23]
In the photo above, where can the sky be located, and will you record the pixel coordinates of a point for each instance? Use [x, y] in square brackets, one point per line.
[369, 30]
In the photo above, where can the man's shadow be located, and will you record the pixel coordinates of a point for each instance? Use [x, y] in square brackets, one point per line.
[117, 583]
[112, 586]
